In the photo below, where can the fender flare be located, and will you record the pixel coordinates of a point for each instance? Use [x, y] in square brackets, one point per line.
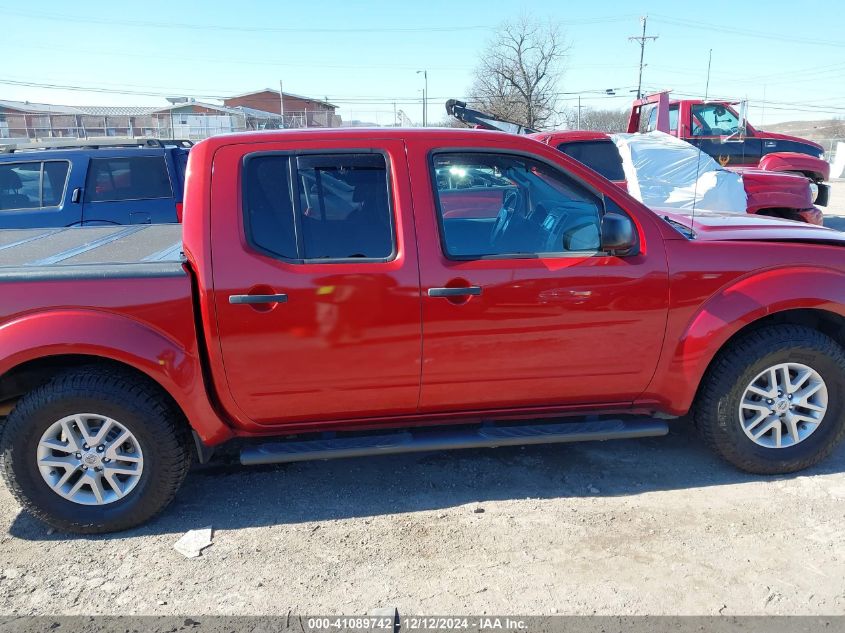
[745, 301]
[815, 168]
[173, 365]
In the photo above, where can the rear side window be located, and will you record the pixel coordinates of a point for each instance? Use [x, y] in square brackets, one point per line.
[268, 209]
[32, 185]
[127, 178]
[338, 207]
[600, 156]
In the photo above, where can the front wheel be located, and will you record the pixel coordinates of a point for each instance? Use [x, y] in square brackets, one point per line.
[774, 401]
[94, 450]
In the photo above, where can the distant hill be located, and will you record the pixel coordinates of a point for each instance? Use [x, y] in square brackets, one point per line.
[816, 130]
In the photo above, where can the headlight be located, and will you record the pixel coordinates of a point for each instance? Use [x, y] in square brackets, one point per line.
[814, 191]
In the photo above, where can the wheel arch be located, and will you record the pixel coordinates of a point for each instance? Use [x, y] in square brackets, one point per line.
[34, 348]
[813, 297]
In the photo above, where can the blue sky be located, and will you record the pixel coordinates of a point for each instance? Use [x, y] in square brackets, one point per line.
[363, 55]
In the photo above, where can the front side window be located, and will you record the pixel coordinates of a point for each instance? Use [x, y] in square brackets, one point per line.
[600, 156]
[127, 178]
[713, 119]
[338, 207]
[32, 185]
[531, 209]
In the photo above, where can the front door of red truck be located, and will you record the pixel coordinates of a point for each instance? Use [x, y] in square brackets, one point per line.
[521, 308]
[318, 305]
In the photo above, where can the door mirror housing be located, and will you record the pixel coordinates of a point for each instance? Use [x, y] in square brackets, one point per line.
[618, 235]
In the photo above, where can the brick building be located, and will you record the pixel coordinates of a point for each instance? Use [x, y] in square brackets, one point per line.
[299, 111]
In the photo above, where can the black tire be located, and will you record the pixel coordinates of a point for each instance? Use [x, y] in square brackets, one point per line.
[716, 412]
[139, 405]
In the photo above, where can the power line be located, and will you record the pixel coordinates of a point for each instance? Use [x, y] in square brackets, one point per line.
[242, 29]
[721, 28]
[593, 93]
[270, 29]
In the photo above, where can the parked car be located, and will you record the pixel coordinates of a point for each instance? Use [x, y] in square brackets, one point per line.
[388, 321]
[68, 182]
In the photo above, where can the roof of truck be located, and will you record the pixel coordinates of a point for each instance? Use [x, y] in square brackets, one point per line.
[268, 136]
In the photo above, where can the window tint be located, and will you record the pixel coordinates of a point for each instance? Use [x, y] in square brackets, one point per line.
[267, 205]
[343, 206]
[600, 156]
[53, 185]
[32, 185]
[127, 178]
[532, 208]
[713, 119]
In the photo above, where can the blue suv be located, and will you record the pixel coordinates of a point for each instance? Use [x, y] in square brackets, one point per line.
[73, 182]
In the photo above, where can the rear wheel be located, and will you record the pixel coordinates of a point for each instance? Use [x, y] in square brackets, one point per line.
[773, 402]
[94, 450]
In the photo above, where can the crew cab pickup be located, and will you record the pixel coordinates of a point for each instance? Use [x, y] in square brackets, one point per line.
[72, 182]
[361, 292]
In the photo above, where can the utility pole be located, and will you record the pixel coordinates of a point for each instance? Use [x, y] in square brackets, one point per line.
[642, 39]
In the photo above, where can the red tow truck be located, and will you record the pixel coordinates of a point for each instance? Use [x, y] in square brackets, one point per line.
[719, 130]
[349, 292]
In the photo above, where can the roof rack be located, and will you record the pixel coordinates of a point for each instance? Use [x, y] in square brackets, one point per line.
[82, 143]
[177, 142]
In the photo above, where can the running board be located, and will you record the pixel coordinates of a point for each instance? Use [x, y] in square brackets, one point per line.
[419, 440]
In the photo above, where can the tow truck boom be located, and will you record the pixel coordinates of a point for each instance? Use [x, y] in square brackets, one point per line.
[460, 111]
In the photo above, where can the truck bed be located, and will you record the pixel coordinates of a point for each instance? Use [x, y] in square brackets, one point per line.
[92, 252]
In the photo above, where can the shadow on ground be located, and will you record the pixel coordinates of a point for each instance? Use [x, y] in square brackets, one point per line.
[229, 496]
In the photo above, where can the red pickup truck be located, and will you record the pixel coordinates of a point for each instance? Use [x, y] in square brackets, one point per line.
[360, 292]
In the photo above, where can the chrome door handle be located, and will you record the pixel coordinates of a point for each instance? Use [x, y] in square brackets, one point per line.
[253, 299]
[465, 291]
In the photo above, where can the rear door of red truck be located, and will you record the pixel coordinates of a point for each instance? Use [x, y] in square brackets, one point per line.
[326, 231]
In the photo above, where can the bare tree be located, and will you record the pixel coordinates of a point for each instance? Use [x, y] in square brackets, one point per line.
[604, 120]
[518, 75]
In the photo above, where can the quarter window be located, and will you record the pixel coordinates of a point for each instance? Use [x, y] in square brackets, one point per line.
[127, 178]
[32, 185]
[338, 208]
[524, 209]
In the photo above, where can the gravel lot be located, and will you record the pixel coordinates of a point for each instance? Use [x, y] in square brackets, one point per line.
[655, 526]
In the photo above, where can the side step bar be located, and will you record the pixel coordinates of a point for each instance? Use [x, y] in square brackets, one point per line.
[419, 440]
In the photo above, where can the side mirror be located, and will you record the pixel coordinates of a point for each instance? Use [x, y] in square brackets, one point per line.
[743, 119]
[742, 125]
[618, 235]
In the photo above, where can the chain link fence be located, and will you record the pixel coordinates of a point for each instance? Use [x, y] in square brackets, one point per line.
[163, 125]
